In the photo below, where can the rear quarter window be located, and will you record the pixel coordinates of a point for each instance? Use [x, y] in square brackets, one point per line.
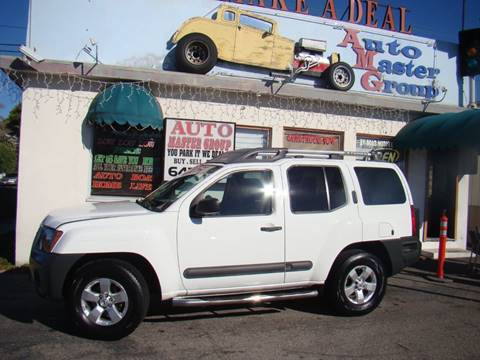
[380, 186]
[315, 188]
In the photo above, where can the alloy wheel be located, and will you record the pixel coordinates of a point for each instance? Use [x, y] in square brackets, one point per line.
[360, 284]
[104, 301]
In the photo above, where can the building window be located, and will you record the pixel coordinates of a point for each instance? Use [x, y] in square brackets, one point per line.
[127, 122]
[366, 143]
[315, 188]
[125, 163]
[312, 139]
[246, 138]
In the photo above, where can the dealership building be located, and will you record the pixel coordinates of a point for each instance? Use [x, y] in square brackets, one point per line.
[109, 113]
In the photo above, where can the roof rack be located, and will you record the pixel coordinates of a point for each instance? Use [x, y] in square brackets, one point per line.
[274, 154]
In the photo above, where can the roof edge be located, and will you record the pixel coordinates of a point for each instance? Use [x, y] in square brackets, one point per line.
[225, 83]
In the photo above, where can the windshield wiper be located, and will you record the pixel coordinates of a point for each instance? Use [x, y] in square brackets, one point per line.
[151, 205]
[144, 203]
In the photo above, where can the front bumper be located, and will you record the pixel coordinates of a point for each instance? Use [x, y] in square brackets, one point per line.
[49, 271]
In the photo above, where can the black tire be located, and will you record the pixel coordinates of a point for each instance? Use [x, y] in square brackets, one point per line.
[196, 53]
[128, 299]
[344, 294]
[340, 76]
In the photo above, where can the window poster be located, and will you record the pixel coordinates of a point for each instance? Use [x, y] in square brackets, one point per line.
[189, 143]
[383, 147]
[367, 143]
[126, 163]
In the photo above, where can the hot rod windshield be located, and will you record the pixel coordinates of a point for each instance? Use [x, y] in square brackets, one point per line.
[172, 190]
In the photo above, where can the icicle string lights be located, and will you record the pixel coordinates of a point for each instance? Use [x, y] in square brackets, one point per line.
[73, 94]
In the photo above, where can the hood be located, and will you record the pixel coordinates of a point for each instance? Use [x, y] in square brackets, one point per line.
[94, 211]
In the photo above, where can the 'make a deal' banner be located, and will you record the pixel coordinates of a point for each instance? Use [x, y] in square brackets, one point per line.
[189, 143]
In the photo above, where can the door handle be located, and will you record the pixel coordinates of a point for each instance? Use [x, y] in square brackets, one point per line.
[270, 228]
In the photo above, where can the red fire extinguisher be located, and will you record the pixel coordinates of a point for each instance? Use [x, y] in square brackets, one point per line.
[442, 245]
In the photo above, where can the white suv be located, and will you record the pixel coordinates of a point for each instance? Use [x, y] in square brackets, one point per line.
[248, 226]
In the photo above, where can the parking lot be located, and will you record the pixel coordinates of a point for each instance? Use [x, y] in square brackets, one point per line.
[418, 319]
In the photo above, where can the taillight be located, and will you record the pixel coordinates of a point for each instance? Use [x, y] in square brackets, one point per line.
[414, 221]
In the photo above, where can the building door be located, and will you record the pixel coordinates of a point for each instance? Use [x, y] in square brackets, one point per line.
[441, 191]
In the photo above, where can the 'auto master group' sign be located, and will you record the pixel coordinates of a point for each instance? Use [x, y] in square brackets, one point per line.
[377, 41]
[189, 143]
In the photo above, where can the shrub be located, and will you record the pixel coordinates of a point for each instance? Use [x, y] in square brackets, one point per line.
[8, 157]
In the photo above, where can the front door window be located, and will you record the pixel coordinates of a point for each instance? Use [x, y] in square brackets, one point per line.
[242, 194]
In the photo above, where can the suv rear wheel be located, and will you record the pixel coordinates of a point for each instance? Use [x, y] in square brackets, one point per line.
[357, 283]
[108, 298]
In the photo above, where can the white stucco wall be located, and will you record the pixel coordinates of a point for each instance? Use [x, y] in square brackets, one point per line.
[53, 161]
[55, 155]
[461, 219]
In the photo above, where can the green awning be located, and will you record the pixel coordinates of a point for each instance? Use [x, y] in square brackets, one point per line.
[449, 130]
[124, 104]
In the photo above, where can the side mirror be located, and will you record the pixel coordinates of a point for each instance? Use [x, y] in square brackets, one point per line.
[207, 206]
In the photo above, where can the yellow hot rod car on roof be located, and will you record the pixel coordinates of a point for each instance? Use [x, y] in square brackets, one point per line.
[236, 35]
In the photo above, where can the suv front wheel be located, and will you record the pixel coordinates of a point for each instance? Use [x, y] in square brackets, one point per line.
[108, 298]
[357, 283]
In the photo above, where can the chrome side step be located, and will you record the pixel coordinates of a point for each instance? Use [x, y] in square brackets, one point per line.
[186, 301]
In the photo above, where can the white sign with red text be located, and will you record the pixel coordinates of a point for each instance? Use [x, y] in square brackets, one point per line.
[189, 143]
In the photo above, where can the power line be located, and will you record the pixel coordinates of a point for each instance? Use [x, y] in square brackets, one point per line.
[5, 44]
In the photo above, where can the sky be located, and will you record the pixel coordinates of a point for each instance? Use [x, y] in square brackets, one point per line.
[437, 19]
[13, 30]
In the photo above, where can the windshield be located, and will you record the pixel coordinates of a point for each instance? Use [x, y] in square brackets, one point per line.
[174, 189]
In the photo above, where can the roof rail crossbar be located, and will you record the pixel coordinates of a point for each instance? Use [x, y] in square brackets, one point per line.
[328, 153]
[274, 154]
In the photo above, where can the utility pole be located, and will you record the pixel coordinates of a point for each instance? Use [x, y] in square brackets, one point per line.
[471, 78]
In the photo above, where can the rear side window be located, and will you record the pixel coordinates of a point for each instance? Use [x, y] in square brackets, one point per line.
[315, 188]
[380, 186]
[229, 16]
[255, 23]
[335, 187]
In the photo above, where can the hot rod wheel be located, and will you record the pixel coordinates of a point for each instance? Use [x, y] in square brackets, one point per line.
[340, 76]
[196, 53]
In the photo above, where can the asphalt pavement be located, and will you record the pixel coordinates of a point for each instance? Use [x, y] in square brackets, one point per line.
[418, 319]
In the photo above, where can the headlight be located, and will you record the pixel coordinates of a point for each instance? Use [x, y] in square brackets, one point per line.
[47, 238]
